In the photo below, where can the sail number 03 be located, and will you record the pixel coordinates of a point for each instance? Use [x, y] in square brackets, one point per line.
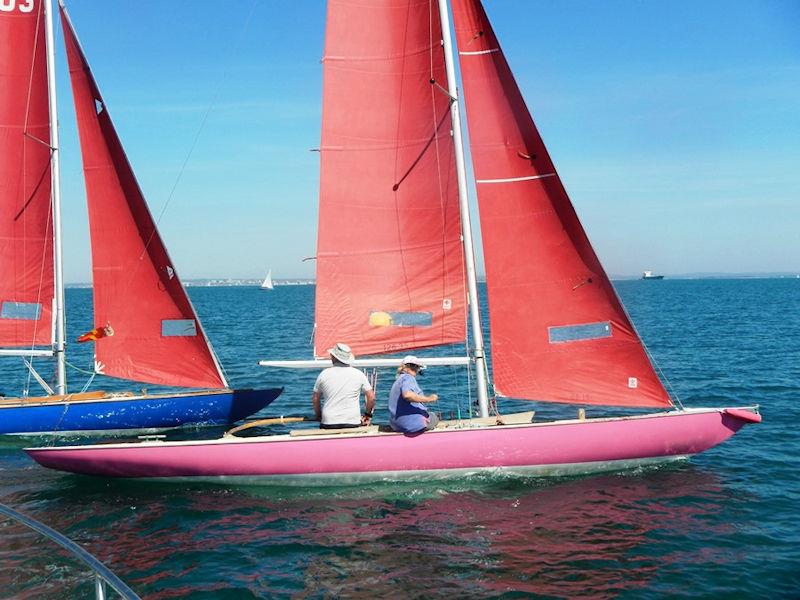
[25, 6]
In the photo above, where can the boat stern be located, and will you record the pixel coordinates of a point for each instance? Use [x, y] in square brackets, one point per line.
[248, 402]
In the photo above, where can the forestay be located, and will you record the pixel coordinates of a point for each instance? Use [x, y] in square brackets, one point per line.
[390, 271]
[152, 333]
[558, 330]
[26, 230]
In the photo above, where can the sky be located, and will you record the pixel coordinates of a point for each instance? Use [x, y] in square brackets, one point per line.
[675, 127]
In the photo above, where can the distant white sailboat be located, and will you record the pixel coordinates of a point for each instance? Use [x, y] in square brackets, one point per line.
[267, 284]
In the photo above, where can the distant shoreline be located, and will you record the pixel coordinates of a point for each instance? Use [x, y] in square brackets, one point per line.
[232, 282]
[223, 283]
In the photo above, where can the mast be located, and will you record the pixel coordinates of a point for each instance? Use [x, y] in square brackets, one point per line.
[466, 227]
[61, 374]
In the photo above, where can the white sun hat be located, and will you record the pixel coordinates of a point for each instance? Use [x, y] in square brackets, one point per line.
[413, 360]
[342, 353]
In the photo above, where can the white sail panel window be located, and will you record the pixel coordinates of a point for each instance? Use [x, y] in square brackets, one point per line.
[575, 333]
[178, 327]
[30, 311]
[379, 318]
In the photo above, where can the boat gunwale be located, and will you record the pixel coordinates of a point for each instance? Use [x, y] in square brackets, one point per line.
[289, 438]
[113, 397]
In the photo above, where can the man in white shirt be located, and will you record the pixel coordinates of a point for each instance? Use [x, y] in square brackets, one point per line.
[339, 389]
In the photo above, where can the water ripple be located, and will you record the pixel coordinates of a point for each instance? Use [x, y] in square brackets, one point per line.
[722, 525]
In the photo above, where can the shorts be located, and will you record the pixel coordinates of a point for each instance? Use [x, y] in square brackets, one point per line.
[433, 421]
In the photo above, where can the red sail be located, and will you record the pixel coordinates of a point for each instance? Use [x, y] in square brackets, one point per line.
[26, 232]
[558, 331]
[390, 270]
[154, 335]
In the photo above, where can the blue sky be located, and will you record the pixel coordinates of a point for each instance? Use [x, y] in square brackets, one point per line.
[675, 126]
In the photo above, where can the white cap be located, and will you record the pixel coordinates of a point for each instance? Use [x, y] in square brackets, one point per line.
[413, 360]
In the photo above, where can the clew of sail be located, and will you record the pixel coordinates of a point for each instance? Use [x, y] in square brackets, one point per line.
[26, 224]
[390, 271]
[558, 331]
[157, 337]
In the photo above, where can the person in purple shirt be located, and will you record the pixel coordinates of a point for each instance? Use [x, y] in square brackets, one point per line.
[407, 412]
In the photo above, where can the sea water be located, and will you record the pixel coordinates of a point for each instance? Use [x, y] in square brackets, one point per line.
[724, 524]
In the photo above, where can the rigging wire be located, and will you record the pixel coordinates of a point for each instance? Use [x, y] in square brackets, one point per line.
[401, 87]
[88, 383]
[22, 212]
[79, 370]
[48, 226]
[437, 123]
[671, 392]
[154, 231]
[204, 120]
[671, 389]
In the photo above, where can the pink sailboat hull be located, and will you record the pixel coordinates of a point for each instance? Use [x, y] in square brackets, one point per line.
[557, 448]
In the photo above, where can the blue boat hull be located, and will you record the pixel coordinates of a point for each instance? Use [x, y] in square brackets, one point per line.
[118, 412]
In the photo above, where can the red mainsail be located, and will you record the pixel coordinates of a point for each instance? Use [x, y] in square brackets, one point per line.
[390, 272]
[26, 230]
[558, 331]
[153, 334]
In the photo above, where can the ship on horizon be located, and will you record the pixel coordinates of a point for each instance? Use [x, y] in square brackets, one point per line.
[651, 275]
